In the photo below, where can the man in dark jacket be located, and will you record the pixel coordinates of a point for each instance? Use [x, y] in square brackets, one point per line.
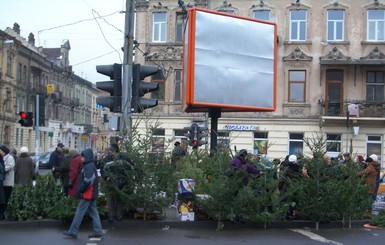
[88, 189]
[56, 160]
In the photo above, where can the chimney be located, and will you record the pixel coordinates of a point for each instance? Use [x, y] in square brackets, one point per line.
[16, 28]
[31, 39]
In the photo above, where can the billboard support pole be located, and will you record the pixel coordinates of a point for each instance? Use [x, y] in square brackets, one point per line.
[214, 113]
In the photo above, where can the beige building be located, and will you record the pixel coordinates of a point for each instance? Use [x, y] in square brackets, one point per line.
[330, 61]
[67, 102]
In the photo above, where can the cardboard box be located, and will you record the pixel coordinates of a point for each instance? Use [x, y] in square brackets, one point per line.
[187, 216]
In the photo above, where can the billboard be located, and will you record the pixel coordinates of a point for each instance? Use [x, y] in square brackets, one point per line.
[229, 62]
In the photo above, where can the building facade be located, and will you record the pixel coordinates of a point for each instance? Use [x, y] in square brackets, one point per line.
[40, 80]
[330, 76]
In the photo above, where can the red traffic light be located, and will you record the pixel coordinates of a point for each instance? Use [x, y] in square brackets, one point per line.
[195, 142]
[26, 119]
[23, 115]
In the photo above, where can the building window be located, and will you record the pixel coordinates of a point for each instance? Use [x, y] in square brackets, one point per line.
[335, 25]
[179, 136]
[159, 28]
[9, 65]
[376, 25]
[374, 146]
[223, 140]
[24, 74]
[260, 143]
[375, 86]
[298, 25]
[261, 14]
[296, 144]
[19, 66]
[17, 137]
[333, 144]
[21, 136]
[157, 145]
[8, 99]
[227, 11]
[297, 81]
[180, 19]
[178, 85]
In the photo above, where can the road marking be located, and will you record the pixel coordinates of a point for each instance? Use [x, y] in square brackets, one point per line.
[315, 237]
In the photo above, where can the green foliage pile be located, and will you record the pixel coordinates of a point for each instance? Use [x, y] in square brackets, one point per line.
[44, 200]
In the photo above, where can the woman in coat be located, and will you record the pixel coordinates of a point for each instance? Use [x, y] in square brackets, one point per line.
[24, 167]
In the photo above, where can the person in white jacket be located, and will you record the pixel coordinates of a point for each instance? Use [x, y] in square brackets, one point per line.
[9, 180]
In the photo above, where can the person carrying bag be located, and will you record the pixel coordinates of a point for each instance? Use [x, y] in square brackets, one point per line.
[88, 189]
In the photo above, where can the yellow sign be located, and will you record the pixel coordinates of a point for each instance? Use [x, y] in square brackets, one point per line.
[84, 137]
[50, 88]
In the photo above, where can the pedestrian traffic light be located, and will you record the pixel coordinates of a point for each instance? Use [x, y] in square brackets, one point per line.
[194, 135]
[202, 134]
[114, 87]
[140, 88]
[26, 119]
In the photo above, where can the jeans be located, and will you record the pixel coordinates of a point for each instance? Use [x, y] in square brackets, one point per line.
[81, 210]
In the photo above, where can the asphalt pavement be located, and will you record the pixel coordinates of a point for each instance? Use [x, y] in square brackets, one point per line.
[171, 219]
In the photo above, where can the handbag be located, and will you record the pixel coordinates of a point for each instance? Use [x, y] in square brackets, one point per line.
[87, 195]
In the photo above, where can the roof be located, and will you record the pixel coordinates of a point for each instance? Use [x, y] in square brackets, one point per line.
[52, 54]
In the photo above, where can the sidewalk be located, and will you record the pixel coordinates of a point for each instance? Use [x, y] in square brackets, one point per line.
[170, 220]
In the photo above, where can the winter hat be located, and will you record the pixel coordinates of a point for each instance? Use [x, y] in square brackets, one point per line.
[292, 158]
[4, 149]
[23, 149]
[374, 157]
[360, 158]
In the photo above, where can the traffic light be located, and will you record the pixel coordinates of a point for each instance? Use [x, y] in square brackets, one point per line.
[26, 119]
[114, 87]
[202, 134]
[194, 135]
[140, 88]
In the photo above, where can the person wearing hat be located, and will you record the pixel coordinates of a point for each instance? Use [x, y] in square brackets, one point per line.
[9, 179]
[370, 174]
[177, 153]
[24, 168]
[56, 160]
[240, 162]
[378, 176]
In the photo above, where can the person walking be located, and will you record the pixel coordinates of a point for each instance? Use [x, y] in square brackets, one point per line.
[56, 160]
[24, 168]
[9, 179]
[76, 166]
[88, 189]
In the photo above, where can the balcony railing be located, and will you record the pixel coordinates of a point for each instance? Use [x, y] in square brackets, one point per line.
[356, 108]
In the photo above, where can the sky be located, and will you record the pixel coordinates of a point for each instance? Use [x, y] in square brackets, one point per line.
[94, 41]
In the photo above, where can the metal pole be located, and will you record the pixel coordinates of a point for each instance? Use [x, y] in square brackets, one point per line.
[127, 67]
[37, 110]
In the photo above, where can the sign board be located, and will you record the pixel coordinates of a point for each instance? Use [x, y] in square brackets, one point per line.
[50, 88]
[229, 62]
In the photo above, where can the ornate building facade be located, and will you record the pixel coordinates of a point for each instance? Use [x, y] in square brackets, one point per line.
[40, 80]
[330, 76]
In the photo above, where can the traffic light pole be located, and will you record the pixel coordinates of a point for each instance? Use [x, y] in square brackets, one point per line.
[125, 127]
[37, 116]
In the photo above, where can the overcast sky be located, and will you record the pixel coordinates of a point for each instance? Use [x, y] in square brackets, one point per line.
[52, 21]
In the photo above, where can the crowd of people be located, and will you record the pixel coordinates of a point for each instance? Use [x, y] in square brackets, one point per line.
[290, 168]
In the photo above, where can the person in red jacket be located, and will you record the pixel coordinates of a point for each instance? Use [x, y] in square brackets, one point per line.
[76, 166]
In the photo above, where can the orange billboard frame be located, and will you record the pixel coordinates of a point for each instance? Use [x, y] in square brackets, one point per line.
[197, 92]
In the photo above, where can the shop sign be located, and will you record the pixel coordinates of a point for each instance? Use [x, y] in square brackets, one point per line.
[238, 127]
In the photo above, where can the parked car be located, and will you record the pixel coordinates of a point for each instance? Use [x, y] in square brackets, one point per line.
[34, 158]
[44, 161]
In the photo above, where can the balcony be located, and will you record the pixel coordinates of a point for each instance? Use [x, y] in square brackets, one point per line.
[359, 110]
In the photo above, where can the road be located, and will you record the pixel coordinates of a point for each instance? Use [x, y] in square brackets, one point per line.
[50, 233]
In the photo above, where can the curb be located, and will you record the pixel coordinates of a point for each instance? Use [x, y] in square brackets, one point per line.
[167, 224]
